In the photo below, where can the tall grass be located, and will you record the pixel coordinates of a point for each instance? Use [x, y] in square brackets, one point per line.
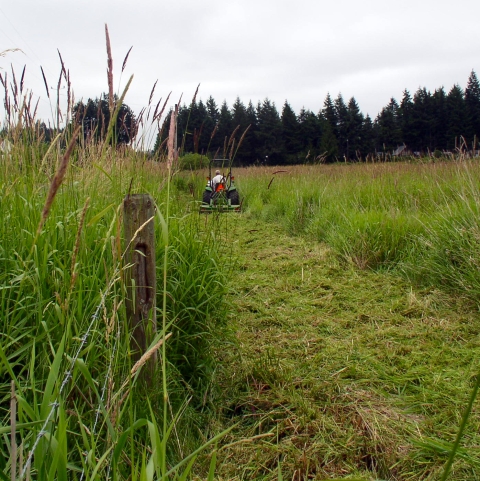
[419, 218]
[82, 408]
[52, 284]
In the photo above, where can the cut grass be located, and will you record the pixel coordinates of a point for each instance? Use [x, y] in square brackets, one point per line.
[418, 218]
[352, 372]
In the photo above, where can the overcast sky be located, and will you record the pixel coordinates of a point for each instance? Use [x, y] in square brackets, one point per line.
[296, 50]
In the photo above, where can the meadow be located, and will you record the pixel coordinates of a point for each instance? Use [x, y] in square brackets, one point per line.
[417, 218]
[356, 311]
[330, 330]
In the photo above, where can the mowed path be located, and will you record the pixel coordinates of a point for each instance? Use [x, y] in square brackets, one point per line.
[337, 370]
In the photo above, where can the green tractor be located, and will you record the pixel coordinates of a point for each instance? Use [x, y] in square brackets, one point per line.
[220, 194]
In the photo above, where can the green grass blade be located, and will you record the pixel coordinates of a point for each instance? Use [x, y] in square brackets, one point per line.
[52, 379]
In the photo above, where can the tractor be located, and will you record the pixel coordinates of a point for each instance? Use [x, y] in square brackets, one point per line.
[220, 194]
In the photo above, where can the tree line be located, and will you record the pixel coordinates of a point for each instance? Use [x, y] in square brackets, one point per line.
[424, 123]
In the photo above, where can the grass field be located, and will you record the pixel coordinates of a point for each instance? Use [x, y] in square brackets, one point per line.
[331, 328]
[351, 362]
[329, 331]
[351, 372]
[421, 218]
[80, 403]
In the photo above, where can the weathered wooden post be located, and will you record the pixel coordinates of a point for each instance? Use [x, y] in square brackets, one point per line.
[140, 278]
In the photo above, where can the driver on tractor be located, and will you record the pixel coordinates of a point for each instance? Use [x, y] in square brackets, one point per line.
[218, 179]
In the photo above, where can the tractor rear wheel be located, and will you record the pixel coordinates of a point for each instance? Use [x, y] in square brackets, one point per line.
[234, 197]
[206, 197]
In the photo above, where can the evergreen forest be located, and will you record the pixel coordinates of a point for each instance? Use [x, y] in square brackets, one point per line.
[426, 123]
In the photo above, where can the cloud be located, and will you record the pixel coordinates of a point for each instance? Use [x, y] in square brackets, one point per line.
[296, 51]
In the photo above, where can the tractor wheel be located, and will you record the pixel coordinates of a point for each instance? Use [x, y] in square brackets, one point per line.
[206, 197]
[234, 197]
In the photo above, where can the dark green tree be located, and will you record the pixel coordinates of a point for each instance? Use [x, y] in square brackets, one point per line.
[354, 131]
[239, 114]
[456, 117]
[423, 120]
[329, 113]
[440, 119]
[211, 121]
[472, 104]
[45, 133]
[406, 119]
[341, 114]
[212, 110]
[269, 133]
[388, 128]
[249, 144]
[328, 141]
[225, 130]
[290, 133]
[310, 134]
[94, 116]
[241, 123]
[191, 124]
[368, 137]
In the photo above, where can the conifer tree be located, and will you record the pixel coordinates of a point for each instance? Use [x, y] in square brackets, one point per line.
[354, 131]
[250, 140]
[94, 115]
[239, 114]
[456, 117]
[368, 137]
[290, 133]
[406, 119]
[423, 117]
[309, 135]
[440, 120]
[472, 104]
[240, 120]
[212, 110]
[269, 134]
[329, 113]
[225, 130]
[388, 128]
[341, 114]
[196, 115]
[328, 141]
[211, 120]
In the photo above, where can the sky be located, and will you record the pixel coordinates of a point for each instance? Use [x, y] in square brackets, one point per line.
[297, 50]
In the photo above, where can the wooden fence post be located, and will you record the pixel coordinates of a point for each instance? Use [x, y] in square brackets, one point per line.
[140, 278]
